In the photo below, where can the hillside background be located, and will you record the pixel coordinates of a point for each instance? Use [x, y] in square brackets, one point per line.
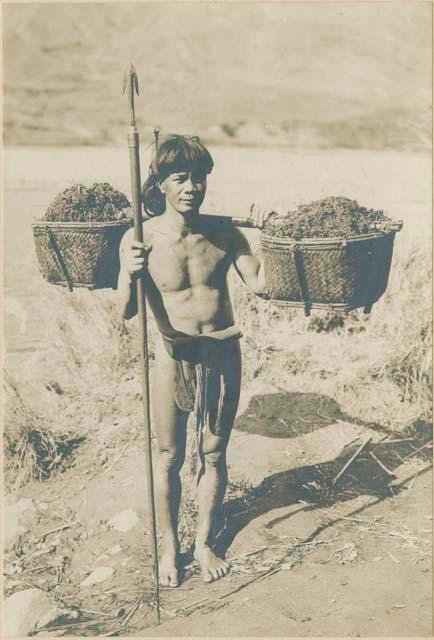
[340, 75]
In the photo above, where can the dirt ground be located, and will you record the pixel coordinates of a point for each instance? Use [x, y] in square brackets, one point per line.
[307, 559]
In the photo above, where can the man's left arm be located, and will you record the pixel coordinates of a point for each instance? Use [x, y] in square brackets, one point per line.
[247, 265]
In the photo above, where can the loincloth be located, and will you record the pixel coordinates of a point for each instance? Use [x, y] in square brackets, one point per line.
[207, 377]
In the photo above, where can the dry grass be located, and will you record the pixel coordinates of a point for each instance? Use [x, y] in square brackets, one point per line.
[94, 359]
[31, 448]
[377, 367]
[91, 342]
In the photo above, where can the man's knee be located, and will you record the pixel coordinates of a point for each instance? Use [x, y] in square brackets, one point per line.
[214, 458]
[170, 460]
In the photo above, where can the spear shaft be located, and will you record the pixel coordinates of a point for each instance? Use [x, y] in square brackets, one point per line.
[131, 85]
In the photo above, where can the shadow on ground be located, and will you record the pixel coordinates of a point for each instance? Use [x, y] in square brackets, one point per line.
[290, 414]
[294, 414]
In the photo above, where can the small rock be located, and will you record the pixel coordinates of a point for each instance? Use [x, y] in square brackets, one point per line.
[24, 610]
[42, 506]
[19, 515]
[99, 575]
[124, 562]
[12, 568]
[51, 616]
[124, 520]
[103, 459]
[71, 614]
[114, 550]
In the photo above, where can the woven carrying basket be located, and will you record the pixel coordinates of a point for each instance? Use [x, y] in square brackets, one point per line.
[328, 273]
[79, 254]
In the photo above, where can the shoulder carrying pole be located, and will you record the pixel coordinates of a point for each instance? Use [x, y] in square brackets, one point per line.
[131, 85]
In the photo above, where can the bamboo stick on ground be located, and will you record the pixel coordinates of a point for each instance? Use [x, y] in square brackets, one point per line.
[382, 465]
[351, 460]
[413, 453]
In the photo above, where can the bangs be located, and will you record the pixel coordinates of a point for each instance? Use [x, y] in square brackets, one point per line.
[180, 153]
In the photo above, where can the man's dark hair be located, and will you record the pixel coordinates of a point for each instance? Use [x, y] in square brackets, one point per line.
[174, 155]
[180, 153]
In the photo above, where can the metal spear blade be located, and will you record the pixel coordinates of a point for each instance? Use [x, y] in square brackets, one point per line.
[130, 78]
[130, 85]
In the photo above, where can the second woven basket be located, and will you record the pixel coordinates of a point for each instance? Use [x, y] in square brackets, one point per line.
[328, 273]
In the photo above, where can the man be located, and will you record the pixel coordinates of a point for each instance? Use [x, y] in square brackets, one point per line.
[185, 261]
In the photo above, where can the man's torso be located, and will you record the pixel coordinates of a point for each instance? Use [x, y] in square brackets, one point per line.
[188, 273]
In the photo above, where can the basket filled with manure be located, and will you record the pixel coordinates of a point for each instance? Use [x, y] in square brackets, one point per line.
[328, 254]
[77, 241]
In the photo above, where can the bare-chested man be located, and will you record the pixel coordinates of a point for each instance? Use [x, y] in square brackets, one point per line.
[197, 362]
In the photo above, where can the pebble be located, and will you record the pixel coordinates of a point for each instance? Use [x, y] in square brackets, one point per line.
[53, 615]
[24, 611]
[99, 575]
[124, 520]
[114, 550]
[103, 459]
[19, 515]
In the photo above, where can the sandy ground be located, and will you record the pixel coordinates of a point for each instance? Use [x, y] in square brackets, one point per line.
[362, 567]
[363, 564]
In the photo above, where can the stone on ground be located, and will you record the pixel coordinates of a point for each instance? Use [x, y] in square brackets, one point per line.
[124, 520]
[114, 550]
[20, 513]
[99, 575]
[27, 610]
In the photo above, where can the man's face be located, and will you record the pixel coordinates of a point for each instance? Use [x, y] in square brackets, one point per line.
[184, 191]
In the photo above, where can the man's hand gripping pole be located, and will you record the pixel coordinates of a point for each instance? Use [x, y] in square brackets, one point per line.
[130, 87]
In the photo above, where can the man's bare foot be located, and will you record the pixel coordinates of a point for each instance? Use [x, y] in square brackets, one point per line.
[168, 569]
[212, 566]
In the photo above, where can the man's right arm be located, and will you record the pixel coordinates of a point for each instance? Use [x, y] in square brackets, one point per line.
[126, 298]
[133, 258]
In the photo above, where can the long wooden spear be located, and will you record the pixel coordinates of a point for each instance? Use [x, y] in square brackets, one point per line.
[131, 86]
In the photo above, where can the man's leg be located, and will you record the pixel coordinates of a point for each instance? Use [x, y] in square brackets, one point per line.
[211, 490]
[213, 481]
[170, 427]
